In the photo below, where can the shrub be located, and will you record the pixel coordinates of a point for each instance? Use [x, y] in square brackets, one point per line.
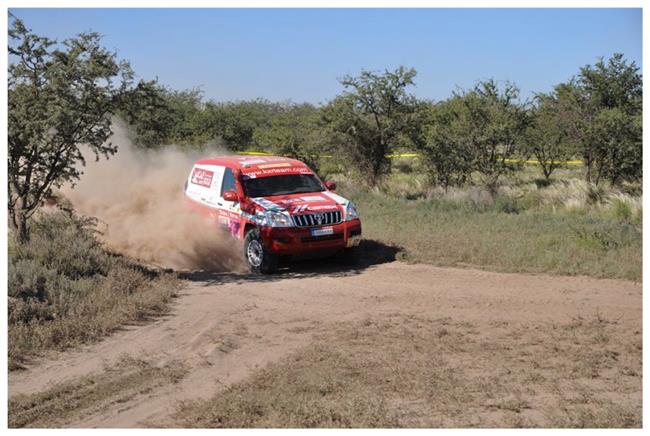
[606, 235]
[625, 208]
[507, 205]
[66, 242]
[65, 288]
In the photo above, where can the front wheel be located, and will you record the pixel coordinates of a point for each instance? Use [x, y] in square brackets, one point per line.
[258, 258]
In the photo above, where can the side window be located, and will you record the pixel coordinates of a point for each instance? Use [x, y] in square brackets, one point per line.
[228, 181]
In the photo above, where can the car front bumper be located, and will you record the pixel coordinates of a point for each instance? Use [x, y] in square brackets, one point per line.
[299, 240]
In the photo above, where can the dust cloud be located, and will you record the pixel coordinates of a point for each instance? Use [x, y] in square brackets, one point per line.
[137, 196]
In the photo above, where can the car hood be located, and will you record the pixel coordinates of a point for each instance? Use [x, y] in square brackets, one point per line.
[302, 203]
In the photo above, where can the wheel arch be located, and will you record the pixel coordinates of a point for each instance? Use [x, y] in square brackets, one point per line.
[247, 228]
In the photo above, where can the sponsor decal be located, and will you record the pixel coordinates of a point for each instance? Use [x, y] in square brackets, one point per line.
[307, 207]
[300, 208]
[202, 177]
[233, 226]
[292, 200]
[248, 216]
[323, 207]
[224, 221]
[278, 171]
[266, 204]
[312, 198]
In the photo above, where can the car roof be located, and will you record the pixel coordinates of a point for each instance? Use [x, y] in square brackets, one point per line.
[248, 164]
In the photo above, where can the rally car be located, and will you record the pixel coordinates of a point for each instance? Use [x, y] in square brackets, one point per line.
[277, 206]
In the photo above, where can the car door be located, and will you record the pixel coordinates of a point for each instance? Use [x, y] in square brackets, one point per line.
[230, 212]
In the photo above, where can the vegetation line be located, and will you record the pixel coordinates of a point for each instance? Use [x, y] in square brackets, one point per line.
[417, 155]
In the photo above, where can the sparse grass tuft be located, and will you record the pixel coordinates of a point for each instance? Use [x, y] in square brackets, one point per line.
[317, 388]
[117, 384]
[436, 372]
[626, 209]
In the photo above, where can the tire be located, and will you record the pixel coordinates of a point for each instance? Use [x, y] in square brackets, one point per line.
[258, 258]
[350, 256]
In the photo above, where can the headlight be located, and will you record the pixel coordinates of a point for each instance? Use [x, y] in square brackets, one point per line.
[277, 219]
[351, 212]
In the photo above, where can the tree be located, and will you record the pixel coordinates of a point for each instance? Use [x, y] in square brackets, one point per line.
[495, 123]
[235, 122]
[442, 142]
[151, 117]
[476, 130]
[619, 153]
[604, 105]
[546, 137]
[370, 117]
[613, 94]
[294, 132]
[61, 96]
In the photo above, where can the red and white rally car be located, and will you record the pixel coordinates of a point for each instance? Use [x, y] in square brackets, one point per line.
[277, 205]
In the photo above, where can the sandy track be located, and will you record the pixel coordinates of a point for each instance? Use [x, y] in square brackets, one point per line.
[224, 326]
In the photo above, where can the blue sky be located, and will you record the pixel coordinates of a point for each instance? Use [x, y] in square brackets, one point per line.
[298, 54]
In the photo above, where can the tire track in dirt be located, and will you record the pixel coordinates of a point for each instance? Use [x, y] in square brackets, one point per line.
[224, 326]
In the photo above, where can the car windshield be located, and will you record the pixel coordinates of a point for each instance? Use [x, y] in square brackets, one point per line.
[282, 185]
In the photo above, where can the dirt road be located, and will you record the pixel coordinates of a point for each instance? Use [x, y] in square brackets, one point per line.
[225, 325]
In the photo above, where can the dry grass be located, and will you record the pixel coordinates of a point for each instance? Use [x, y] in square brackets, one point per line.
[66, 290]
[501, 237]
[566, 226]
[61, 404]
[417, 372]
[108, 307]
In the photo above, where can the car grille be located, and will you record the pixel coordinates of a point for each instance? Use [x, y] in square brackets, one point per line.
[317, 219]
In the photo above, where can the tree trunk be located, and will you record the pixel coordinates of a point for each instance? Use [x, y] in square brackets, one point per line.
[588, 163]
[19, 225]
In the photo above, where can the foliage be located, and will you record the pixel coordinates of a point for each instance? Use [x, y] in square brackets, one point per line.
[446, 153]
[60, 97]
[150, 117]
[163, 116]
[546, 137]
[595, 116]
[476, 130]
[495, 122]
[371, 117]
[234, 123]
[604, 103]
[295, 132]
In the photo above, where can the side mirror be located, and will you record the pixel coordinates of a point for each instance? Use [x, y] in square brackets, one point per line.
[230, 195]
[331, 186]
